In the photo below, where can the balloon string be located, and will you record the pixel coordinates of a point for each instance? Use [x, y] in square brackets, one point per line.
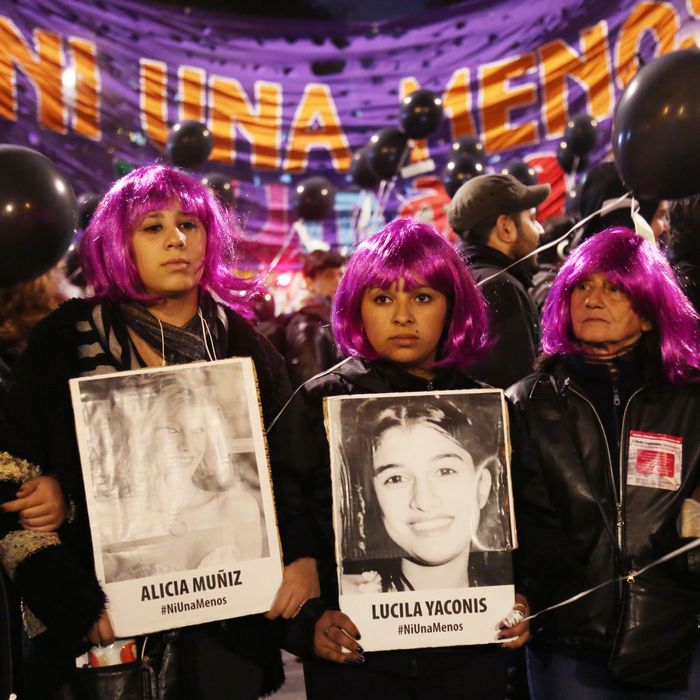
[391, 184]
[570, 178]
[386, 196]
[380, 190]
[300, 387]
[629, 578]
[356, 213]
[607, 207]
[281, 251]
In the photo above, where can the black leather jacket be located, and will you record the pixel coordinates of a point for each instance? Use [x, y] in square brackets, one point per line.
[309, 343]
[514, 326]
[573, 529]
[40, 429]
[360, 377]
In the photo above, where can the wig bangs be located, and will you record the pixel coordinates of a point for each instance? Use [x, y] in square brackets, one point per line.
[423, 271]
[106, 247]
[160, 193]
[406, 256]
[646, 277]
[418, 254]
[620, 255]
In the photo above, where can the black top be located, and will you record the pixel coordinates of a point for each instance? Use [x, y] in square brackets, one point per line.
[514, 328]
[609, 385]
[40, 428]
[360, 377]
[579, 523]
[309, 343]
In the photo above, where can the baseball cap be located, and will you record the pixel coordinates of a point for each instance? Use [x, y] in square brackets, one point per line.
[488, 196]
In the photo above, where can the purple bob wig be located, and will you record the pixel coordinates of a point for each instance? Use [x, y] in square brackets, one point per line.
[106, 254]
[641, 270]
[418, 253]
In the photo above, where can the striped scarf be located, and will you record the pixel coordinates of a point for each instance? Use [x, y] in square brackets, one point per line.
[104, 345]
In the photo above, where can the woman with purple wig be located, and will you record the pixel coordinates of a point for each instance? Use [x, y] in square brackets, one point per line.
[609, 463]
[410, 318]
[158, 255]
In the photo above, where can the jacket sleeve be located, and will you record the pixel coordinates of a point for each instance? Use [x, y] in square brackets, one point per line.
[512, 332]
[51, 571]
[321, 487]
[39, 416]
[300, 629]
[543, 558]
[290, 456]
[309, 349]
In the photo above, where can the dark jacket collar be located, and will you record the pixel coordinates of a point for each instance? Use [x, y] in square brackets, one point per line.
[318, 306]
[481, 256]
[645, 359]
[382, 377]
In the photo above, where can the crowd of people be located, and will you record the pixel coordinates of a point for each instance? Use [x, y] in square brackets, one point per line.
[601, 362]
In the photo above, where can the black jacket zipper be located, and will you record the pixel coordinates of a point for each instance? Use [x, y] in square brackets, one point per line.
[619, 492]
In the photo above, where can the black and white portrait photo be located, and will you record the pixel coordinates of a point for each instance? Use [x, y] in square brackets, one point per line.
[421, 491]
[175, 471]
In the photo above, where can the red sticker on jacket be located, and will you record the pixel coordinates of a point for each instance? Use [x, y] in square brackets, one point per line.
[654, 460]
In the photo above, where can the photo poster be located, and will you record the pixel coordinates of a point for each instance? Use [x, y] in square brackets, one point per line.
[179, 493]
[422, 509]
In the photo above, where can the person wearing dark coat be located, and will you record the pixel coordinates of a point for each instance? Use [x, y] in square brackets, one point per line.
[409, 315]
[496, 217]
[609, 463]
[309, 346]
[154, 254]
[684, 244]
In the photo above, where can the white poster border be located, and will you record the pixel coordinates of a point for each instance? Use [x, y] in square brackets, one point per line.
[418, 619]
[205, 594]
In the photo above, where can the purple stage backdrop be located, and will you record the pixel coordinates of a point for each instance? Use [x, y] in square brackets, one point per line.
[96, 85]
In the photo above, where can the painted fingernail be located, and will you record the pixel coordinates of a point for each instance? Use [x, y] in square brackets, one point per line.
[355, 660]
[359, 649]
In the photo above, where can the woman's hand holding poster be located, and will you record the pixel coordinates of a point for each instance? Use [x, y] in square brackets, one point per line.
[179, 494]
[423, 521]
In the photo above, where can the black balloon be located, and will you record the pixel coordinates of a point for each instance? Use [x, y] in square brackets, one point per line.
[458, 171]
[521, 171]
[420, 114]
[315, 198]
[189, 144]
[87, 204]
[469, 146]
[581, 134]
[568, 160]
[38, 214]
[387, 152]
[220, 185]
[362, 174]
[655, 138]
